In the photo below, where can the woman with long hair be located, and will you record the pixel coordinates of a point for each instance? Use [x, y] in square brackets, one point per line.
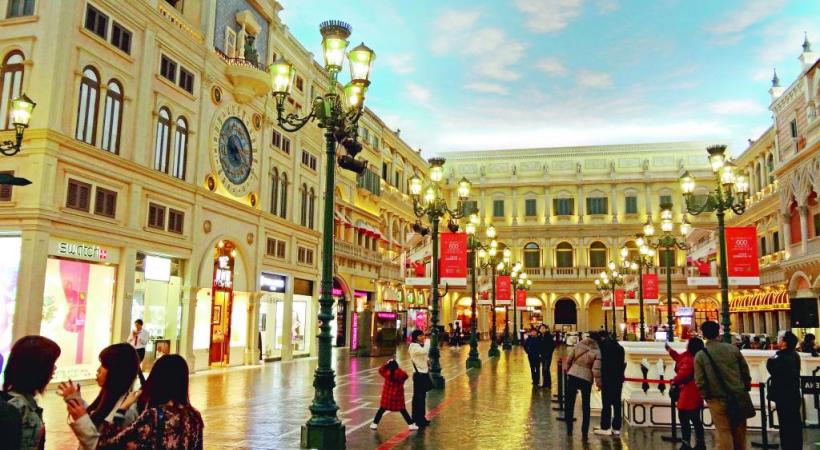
[690, 402]
[393, 394]
[119, 365]
[169, 421]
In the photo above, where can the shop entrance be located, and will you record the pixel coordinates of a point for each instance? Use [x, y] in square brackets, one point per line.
[222, 303]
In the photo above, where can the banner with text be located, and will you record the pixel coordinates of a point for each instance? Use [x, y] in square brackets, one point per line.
[453, 267]
[520, 298]
[650, 289]
[606, 299]
[503, 290]
[741, 253]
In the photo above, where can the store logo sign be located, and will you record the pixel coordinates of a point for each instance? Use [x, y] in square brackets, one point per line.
[82, 251]
[269, 282]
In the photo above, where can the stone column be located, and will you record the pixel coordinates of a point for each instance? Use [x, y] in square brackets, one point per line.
[784, 225]
[514, 207]
[121, 321]
[613, 203]
[547, 205]
[804, 228]
[31, 282]
[648, 196]
[186, 337]
[581, 204]
[287, 323]
[252, 329]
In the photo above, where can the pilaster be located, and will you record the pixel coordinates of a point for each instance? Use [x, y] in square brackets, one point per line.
[31, 283]
[186, 335]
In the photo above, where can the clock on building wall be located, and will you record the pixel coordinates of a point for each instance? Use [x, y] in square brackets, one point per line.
[234, 154]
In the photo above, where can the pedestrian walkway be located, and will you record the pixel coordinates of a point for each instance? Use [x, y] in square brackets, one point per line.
[495, 407]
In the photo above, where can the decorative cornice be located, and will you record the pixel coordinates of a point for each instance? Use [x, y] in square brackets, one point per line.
[579, 151]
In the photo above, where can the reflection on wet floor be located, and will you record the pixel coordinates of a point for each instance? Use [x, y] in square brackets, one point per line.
[495, 407]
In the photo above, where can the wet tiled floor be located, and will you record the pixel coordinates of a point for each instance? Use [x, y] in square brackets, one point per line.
[494, 407]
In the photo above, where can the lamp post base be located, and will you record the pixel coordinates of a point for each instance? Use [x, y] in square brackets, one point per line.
[438, 380]
[494, 352]
[473, 363]
[325, 437]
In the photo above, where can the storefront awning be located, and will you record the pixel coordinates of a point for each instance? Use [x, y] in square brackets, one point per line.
[760, 301]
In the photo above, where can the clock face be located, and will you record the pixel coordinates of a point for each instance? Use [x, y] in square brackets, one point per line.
[235, 151]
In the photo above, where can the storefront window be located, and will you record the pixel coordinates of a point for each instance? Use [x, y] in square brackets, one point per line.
[300, 324]
[9, 264]
[202, 320]
[157, 291]
[269, 319]
[239, 320]
[77, 314]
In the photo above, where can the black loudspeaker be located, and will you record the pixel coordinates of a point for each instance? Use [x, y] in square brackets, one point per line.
[804, 312]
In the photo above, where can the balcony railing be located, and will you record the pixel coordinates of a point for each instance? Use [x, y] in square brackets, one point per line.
[352, 251]
[249, 79]
[390, 271]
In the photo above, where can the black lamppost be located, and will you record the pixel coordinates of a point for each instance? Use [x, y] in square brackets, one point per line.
[637, 264]
[729, 194]
[433, 205]
[483, 257]
[607, 282]
[668, 242]
[504, 268]
[337, 112]
[523, 284]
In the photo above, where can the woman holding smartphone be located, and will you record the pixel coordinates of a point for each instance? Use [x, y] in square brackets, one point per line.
[419, 348]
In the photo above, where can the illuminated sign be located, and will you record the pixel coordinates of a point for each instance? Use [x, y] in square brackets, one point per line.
[270, 282]
[386, 315]
[223, 273]
[83, 251]
[354, 331]
[157, 268]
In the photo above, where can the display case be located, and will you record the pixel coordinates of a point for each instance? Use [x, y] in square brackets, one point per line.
[377, 333]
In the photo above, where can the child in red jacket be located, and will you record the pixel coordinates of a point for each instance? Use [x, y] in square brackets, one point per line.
[690, 402]
[393, 394]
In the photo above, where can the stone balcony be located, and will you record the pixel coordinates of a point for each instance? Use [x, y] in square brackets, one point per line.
[249, 79]
[588, 273]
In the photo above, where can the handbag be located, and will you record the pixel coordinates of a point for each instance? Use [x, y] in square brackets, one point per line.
[739, 405]
[426, 381]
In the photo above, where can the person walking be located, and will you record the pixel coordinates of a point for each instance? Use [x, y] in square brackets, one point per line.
[580, 362]
[609, 377]
[689, 402]
[784, 391]
[118, 369]
[547, 348]
[532, 346]
[418, 350]
[168, 422]
[139, 338]
[393, 394]
[722, 376]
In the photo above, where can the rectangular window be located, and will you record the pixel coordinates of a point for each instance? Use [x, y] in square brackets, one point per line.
[308, 160]
[300, 83]
[563, 206]
[78, 196]
[121, 38]
[105, 203]
[385, 171]
[369, 181]
[763, 246]
[631, 205]
[230, 42]
[530, 206]
[563, 258]
[176, 221]
[665, 200]
[597, 258]
[5, 189]
[186, 80]
[305, 256]
[156, 216]
[275, 247]
[498, 208]
[168, 69]
[270, 247]
[280, 249]
[20, 8]
[597, 205]
[793, 128]
[96, 21]
[286, 145]
[776, 241]
[277, 139]
[469, 207]
[816, 220]
[532, 259]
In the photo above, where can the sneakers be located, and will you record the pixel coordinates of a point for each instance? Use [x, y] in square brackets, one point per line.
[616, 432]
[601, 432]
[412, 427]
[374, 426]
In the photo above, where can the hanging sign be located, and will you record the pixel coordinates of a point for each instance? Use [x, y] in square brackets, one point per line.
[520, 298]
[741, 255]
[503, 290]
[650, 289]
[606, 299]
[619, 298]
[453, 260]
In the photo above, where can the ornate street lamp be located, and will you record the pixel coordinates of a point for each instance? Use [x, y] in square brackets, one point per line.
[429, 201]
[729, 194]
[668, 241]
[21, 109]
[484, 257]
[610, 279]
[637, 264]
[520, 282]
[337, 112]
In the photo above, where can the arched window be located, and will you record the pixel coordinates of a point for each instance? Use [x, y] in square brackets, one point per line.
[563, 255]
[274, 192]
[532, 256]
[303, 217]
[758, 179]
[11, 84]
[87, 105]
[283, 197]
[312, 209]
[112, 117]
[180, 148]
[597, 254]
[163, 140]
[770, 167]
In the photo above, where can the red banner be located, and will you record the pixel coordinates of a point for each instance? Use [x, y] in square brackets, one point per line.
[650, 289]
[741, 253]
[520, 298]
[619, 298]
[453, 260]
[503, 288]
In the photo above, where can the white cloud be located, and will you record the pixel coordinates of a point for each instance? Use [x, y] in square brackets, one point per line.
[450, 28]
[401, 63]
[736, 107]
[549, 16]
[739, 19]
[606, 6]
[783, 40]
[551, 66]
[592, 79]
[490, 88]
[418, 93]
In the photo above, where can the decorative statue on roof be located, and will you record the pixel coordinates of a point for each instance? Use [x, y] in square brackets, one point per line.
[251, 55]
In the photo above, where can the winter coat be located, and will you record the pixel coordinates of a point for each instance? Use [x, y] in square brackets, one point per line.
[784, 368]
[582, 359]
[393, 389]
[88, 434]
[609, 369]
[546, 344]
[690, 398]
[532, 347]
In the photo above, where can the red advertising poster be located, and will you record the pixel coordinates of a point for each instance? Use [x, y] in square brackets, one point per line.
[650, 289]
[619, 298]
[741, 254]
[520, 298]
[503, 290]
[453, 259]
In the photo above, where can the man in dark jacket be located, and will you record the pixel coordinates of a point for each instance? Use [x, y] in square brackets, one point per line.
[546, 348]
[531, 346]
[784, 367]
[609, 377]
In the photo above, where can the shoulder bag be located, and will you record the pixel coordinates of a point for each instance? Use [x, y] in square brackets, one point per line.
[424, 378]
[739, 405]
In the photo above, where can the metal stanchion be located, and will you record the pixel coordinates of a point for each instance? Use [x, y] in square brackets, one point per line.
[673, 400]
[764, 429]
[560, 382]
